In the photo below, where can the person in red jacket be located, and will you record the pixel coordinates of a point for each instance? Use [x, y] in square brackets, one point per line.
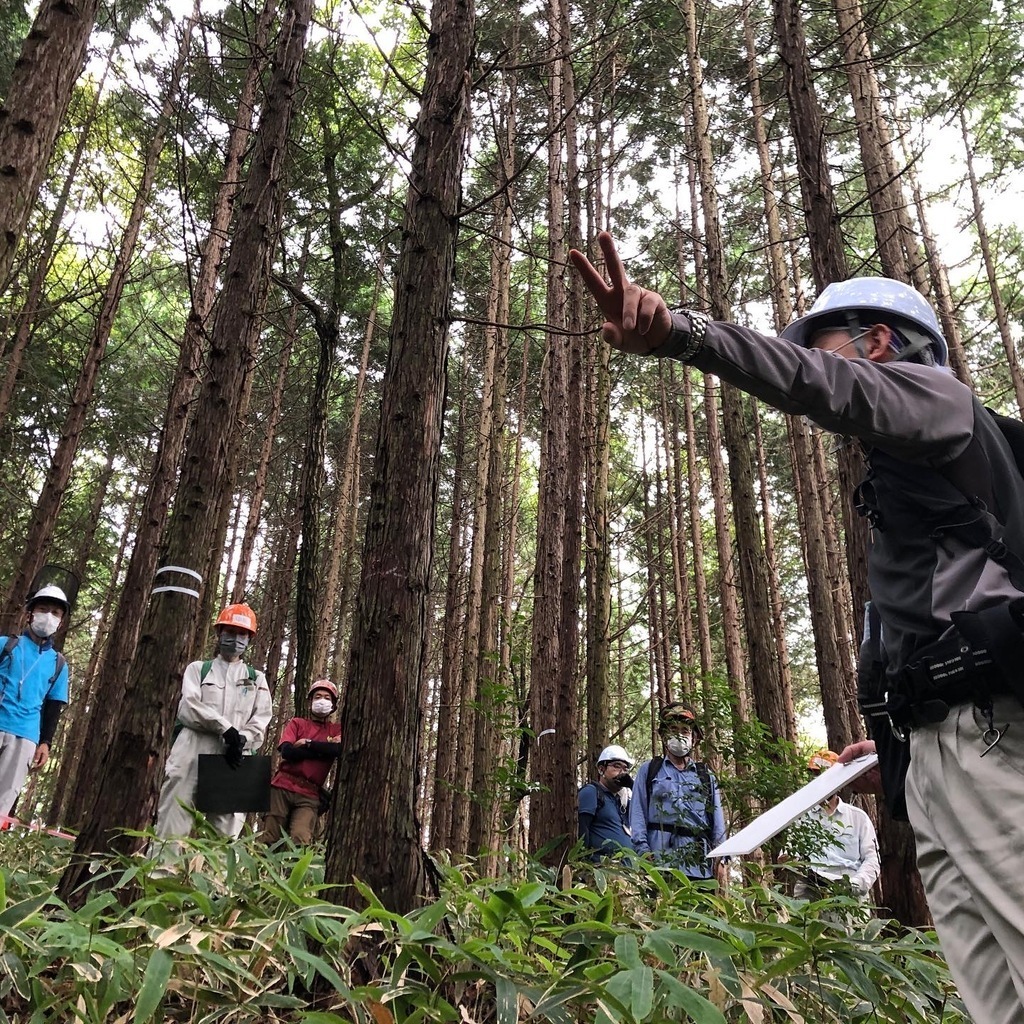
[308, 748]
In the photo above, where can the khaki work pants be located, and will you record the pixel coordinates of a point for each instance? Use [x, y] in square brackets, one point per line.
[968, 818]
[294, 813]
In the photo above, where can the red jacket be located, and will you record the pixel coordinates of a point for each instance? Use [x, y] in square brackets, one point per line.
[308, 774]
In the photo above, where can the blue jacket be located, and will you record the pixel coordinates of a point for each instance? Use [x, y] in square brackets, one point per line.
[675, 827]
[25, 684]
[600, 823]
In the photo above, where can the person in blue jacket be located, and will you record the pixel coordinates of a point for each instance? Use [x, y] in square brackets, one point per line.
[602, 818]
[676, 812]
[33, 692]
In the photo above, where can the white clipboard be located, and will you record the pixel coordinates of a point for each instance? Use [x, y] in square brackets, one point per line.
[773, 821]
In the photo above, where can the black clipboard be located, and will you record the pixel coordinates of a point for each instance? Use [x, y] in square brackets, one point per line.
[225, 790]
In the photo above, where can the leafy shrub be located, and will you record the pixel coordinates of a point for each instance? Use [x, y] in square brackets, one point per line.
[247, 934]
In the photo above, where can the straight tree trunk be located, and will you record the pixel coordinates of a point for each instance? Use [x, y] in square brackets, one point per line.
[553, 668]
[884, 194]
[51, 59]
[25, 318]
[257, 488]
[449, 828]
[44, 515]
[995, 292]
[773, 701]
[385, 680]
[131, 608]
[130, 768]
[492, 694]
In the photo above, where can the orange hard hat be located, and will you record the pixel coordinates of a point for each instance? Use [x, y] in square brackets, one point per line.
[238, 616]
[822, 759]
[323, 684]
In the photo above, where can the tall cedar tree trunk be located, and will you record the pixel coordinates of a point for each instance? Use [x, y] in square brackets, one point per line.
[51, 59]
[44, 515]
[339, 583]
[310, 626]
[115, 667]
[991, 273]
[73, 746]
[477, 699]
[773, 700]
[885, 196]
[382, 698]
[131, 767]
[256, 489]
[553, 669]
[493, 694]
[25, 318]
[828, 262]
[513, 471]
[449, 831]
[598, 566]
[831, 646]
[727, 595]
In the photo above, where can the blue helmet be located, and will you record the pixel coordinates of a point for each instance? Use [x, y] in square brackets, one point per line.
[904, 307]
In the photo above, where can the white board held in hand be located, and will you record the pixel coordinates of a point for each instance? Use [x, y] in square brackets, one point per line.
[773, 821]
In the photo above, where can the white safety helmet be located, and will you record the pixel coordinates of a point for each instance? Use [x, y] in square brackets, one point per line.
[905, 308]
[614, 753]
[49, 593]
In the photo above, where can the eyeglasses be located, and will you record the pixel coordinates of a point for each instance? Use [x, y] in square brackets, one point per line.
[850, 341]
[618, 766]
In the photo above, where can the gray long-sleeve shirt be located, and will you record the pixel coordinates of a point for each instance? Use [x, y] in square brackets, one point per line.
[921, 416]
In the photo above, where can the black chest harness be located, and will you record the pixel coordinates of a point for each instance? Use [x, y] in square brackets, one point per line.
[984, 654]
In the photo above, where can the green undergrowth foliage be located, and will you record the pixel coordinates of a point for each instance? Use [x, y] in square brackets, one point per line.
[245, 934]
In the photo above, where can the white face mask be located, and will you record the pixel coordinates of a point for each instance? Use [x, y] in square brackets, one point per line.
[322, 706]
[44, 624]
[679, 746]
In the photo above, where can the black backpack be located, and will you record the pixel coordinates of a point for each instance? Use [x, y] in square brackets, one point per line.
[602, 796]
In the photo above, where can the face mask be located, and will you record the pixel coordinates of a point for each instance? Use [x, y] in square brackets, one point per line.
[44, 624]
[623, 781]
[322, 706]
[679, 746]
[229, 645]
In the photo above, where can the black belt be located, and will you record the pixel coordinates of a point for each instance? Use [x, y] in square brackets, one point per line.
[676, 830]
[952, 674]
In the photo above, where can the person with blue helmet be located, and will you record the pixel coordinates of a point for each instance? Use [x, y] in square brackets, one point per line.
[944, 638]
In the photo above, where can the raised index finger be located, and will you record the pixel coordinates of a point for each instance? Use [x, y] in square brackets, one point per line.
[592, 277]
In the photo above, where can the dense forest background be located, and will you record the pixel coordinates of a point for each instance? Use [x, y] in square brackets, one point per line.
[286, 304]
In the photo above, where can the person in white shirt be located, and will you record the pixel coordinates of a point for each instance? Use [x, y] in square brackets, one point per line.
[853, 852]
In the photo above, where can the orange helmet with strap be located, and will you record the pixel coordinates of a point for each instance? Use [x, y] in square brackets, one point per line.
[238, 616]
[821, 760]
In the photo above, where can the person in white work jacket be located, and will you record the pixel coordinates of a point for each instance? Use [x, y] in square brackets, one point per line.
[225, 708]
[852, 852]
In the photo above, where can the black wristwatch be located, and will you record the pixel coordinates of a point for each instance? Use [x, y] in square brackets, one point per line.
[685, 340]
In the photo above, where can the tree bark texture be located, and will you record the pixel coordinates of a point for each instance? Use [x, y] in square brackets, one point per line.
[51, 59]
[381, 711]
[130, 769]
